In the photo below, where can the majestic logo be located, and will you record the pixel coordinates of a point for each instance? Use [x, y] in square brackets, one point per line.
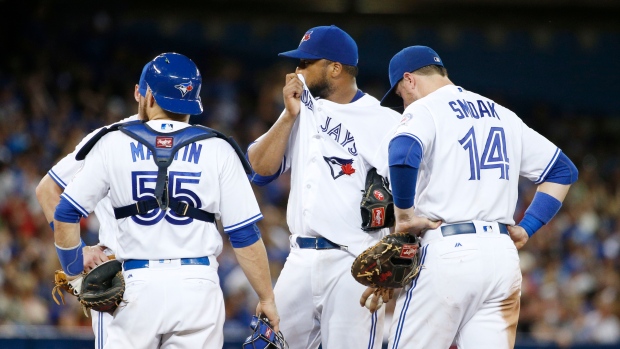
[339, 166]
[163, 142]
[378, 195]
[378, 217]
[268, 332]
[408, 251]
[184, 88]
[306, 37]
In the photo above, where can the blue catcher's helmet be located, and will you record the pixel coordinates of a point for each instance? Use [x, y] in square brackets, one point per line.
[175, 82]
[264, 337]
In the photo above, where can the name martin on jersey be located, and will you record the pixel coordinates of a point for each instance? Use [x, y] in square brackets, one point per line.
[470, 110]
[190, 152]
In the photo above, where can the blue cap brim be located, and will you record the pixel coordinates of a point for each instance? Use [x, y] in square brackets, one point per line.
[191, 107]
[391, 99]
[299, 55]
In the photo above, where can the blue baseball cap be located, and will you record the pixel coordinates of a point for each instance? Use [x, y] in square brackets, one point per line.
[326, 42]
[407, 60]
[175, 82]
[142, 84]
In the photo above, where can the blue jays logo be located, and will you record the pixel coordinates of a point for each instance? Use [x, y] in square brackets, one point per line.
[184, 88]
[339, 166]
[306, 37]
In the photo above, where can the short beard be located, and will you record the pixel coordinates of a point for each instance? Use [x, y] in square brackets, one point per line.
[322, 88]
[142, 111]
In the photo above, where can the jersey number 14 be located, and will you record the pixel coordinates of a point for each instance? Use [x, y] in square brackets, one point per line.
[494, 155]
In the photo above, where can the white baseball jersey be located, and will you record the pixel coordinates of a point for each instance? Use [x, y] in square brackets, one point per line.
[207, 173]
[331, 148]
[63, 172]
[473, 153]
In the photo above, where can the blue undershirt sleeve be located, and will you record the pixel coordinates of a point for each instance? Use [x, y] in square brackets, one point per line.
[563, 171]
[67, 213]
[245, 236]
[405, 156]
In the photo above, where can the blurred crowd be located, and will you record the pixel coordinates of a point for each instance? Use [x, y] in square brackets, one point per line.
[51, 99]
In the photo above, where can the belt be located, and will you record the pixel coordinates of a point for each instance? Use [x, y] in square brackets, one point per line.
[317, 243]
[470, 228]
[144, 263]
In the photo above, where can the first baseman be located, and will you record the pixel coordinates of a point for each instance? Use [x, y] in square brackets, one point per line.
[455, 162]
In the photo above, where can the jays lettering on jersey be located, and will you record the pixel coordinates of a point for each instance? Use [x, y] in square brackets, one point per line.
[472, 148]
[207, 174]
[62, 173]
[331, 148]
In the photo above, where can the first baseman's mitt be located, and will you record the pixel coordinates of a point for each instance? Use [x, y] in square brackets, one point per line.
[391, 263]
[103, 287]
[377, 206]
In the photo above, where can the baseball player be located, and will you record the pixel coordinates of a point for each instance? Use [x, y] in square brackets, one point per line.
[329, 136]
[455, 162]
[168, 182]
[48, 194]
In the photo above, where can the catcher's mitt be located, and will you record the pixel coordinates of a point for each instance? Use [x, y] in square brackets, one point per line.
[61, 283]
[103, 287]
[377, 206]
[264, 337]
[391, 263]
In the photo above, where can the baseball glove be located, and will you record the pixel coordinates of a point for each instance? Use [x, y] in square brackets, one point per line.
[377, 206]
[61, 283]
[391, 263]
[103, 287]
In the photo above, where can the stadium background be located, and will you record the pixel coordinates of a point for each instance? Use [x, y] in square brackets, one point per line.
[68, 67]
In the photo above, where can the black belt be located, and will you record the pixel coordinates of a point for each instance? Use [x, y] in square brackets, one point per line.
[144, 263]
[316, 243]
[470, 228]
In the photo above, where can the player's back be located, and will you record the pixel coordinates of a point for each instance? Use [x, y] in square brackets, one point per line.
[472, 158]
[206, 173]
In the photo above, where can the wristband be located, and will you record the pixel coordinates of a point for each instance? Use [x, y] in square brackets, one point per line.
[71, 259]
[542, 209]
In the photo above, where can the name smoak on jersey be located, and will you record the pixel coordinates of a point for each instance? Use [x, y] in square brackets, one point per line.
[476, 110]
[189, 153]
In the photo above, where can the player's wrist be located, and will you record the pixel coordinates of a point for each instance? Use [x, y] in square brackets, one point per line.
[542, 209]
[71, 259]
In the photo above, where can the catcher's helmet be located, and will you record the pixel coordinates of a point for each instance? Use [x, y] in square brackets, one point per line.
[175, 82]
[264, 337]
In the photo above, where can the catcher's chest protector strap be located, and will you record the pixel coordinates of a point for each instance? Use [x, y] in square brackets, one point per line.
[164, 147]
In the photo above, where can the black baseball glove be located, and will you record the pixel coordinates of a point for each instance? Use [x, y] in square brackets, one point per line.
[377, 206]
[391, 263]
[103, 287]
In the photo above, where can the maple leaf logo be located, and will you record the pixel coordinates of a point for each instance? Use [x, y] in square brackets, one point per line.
[347, 169]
